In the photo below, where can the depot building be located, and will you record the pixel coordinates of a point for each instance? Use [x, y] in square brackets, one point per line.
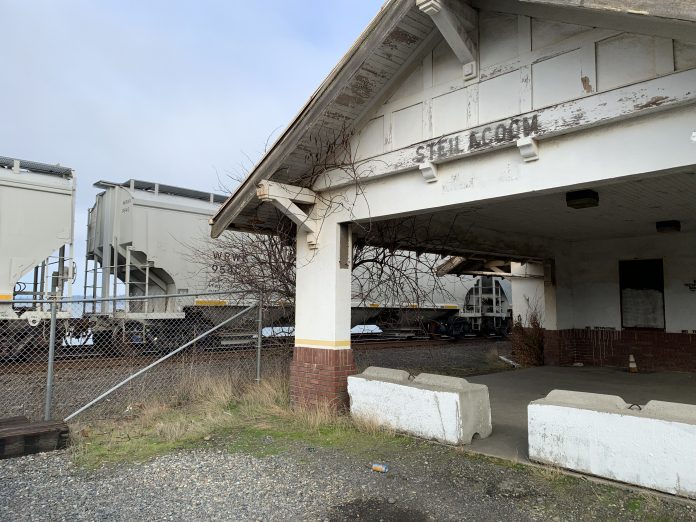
[555, 144]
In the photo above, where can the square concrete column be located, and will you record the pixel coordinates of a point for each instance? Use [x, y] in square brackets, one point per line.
[528, 292]
[322, 358]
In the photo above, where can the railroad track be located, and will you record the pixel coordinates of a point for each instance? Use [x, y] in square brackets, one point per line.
[100, 361]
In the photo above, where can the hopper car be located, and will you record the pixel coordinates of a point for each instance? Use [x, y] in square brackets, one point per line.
[139, 240]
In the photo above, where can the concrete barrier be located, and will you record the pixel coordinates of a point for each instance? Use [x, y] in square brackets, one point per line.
[448, 409]
[653, 446]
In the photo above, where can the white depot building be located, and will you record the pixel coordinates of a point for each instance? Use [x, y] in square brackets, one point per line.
[554, 138]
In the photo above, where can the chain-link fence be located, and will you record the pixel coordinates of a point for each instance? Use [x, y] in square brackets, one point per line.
[58, 356]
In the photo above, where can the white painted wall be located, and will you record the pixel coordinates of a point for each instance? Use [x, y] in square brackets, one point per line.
[598, 434]
[528, 292]
[525, 64]
[588, 279]
[602, 154]
[448, 409]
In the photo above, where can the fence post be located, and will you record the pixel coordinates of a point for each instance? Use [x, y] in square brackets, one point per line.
[51, 357]
[259, 339]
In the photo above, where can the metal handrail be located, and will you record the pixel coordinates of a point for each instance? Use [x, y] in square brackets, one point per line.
[158, 361]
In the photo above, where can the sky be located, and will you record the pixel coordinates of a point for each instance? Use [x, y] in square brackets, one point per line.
[185, 93]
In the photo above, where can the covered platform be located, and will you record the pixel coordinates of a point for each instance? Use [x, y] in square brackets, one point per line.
[554, 147]
[511, 392]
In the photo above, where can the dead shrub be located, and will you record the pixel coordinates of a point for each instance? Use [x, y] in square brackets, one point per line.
[527, 338]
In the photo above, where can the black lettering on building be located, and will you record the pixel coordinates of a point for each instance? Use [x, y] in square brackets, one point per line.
[500, 133]
[473, 142]
[530, 127]
[514, 129]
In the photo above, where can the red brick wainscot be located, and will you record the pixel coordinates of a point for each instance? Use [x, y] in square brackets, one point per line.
[320, 375]
[653, 350]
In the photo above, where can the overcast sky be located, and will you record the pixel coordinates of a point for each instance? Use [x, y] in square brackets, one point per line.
[178, 92]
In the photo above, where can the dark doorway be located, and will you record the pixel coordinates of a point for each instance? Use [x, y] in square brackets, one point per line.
[642, 294]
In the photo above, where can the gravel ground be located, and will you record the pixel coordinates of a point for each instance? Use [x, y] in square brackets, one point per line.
[467, 357]
[424, 482]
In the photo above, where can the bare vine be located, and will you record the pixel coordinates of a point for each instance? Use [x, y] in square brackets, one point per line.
[388, 267]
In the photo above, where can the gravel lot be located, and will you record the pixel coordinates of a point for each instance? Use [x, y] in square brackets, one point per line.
[461, 358]
[424, 482]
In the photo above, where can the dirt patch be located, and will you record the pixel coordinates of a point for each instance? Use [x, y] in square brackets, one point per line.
[375, 509]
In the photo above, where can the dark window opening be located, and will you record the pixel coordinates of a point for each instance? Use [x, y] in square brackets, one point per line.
[642, 294]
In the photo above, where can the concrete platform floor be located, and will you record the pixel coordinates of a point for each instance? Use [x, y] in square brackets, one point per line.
[510, 393]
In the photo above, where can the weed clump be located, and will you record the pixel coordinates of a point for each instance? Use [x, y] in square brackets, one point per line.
[527, 337]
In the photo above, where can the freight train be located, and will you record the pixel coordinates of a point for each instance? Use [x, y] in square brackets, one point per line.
[140, 239]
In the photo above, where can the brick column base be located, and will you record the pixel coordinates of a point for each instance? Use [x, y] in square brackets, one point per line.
[320, 375]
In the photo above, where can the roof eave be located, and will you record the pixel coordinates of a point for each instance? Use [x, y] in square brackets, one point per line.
[380, 26]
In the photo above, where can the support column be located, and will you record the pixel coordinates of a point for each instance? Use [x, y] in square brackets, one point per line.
[528, 292]
[322, 358]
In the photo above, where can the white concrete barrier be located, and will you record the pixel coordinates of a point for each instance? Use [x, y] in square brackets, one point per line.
[653, 446]
[448, 409]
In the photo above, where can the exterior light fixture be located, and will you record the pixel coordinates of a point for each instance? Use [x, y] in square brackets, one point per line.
[582, 199]
[672, 225]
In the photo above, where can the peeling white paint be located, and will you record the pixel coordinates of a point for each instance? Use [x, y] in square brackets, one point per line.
[448, 409]
[653, 447]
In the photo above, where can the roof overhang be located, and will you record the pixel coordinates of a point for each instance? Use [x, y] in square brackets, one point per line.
[327, 97]
[352, 88]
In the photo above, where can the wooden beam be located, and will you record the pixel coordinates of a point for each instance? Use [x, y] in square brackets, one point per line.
[270, 190]
[283, 197]
[455, 21]
[562, 11]
[671, 9]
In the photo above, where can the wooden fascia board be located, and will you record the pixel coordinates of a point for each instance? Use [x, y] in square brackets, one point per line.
[683, 10]
[659, 94]
[373, 36]
[562, 11]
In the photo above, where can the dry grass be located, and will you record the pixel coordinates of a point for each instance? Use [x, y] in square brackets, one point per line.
[217, 407]
[371, 426]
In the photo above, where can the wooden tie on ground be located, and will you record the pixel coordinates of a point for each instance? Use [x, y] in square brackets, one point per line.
[20, 437]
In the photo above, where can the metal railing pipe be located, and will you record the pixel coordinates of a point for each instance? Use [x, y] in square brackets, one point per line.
[51, 357]
[158, 361]
[259, 339]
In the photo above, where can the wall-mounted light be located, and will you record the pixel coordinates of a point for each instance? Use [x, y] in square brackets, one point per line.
[582, 199]
[672, 225]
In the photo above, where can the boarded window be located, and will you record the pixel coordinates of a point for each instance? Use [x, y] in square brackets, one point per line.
[642, 294]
